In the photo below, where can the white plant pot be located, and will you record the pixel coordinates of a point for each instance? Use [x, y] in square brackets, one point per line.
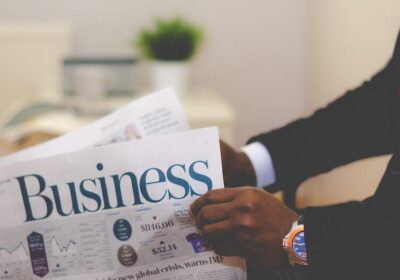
[170, 74]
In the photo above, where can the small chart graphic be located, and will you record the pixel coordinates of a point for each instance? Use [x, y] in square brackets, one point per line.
[15, 260]
[62, 249]
[13, 254]
[76, 246]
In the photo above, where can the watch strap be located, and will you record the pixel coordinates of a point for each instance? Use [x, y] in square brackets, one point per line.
[300, 221]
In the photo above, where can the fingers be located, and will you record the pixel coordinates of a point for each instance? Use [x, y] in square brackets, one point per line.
[211, 214]
[221, 237]
[216, 232]
[228, 247]
[223, 217]
[212, 197]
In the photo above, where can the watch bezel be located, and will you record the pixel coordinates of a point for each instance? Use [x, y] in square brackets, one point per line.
[295, 233]
[288, 242]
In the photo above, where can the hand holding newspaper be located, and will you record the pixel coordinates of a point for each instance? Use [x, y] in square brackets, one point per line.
[118, 211]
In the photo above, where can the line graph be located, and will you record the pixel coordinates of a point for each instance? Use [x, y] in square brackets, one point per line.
[61, 250]
[18, 252]
[67, 247]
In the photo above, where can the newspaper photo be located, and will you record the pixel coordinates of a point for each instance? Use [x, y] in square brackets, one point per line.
[117, 211]
[155, 114]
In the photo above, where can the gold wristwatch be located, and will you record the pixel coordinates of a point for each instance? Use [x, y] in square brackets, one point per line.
[295, 245]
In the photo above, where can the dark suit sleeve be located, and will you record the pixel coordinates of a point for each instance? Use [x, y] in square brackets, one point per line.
[357, 125]
[354, 240]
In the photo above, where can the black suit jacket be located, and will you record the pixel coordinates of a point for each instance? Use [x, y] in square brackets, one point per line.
[354, 240]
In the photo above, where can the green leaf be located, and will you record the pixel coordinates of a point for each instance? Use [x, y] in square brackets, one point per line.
[173, 39]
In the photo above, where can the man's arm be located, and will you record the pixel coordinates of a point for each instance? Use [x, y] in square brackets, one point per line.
[354, 240]
[357, 125]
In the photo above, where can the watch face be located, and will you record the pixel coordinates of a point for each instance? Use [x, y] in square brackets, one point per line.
[299, 246]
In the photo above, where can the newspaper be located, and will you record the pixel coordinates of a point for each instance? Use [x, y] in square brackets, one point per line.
[155, 114]
[118, 211]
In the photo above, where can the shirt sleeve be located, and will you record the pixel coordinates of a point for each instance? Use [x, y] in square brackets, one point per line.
[260, 158]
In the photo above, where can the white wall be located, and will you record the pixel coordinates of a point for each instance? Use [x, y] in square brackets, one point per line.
[255, 55]
[254, 52]
[347, 42]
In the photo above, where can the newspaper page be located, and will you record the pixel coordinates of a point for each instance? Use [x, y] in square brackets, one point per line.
[113, 212]
[155, 114]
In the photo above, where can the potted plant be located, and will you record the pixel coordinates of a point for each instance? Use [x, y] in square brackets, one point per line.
[170, 44]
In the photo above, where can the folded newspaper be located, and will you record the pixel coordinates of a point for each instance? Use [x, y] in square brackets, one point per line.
[156, 114]
[84, 207]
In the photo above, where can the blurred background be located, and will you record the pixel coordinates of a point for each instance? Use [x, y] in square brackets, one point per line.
[259, 65]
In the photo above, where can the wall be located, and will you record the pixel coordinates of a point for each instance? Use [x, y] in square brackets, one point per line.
[253, 54]
[347, 42]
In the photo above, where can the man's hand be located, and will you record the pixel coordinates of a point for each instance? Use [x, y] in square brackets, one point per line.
[238, 170]
[245, 222]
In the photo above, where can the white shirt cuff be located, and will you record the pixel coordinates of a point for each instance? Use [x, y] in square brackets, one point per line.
[261, 160]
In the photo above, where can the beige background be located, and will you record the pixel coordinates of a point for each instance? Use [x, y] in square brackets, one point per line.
[347, 42]
[272, 60]
[253, 53]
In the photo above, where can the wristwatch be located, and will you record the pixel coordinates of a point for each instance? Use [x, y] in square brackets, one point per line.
[294, 243]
